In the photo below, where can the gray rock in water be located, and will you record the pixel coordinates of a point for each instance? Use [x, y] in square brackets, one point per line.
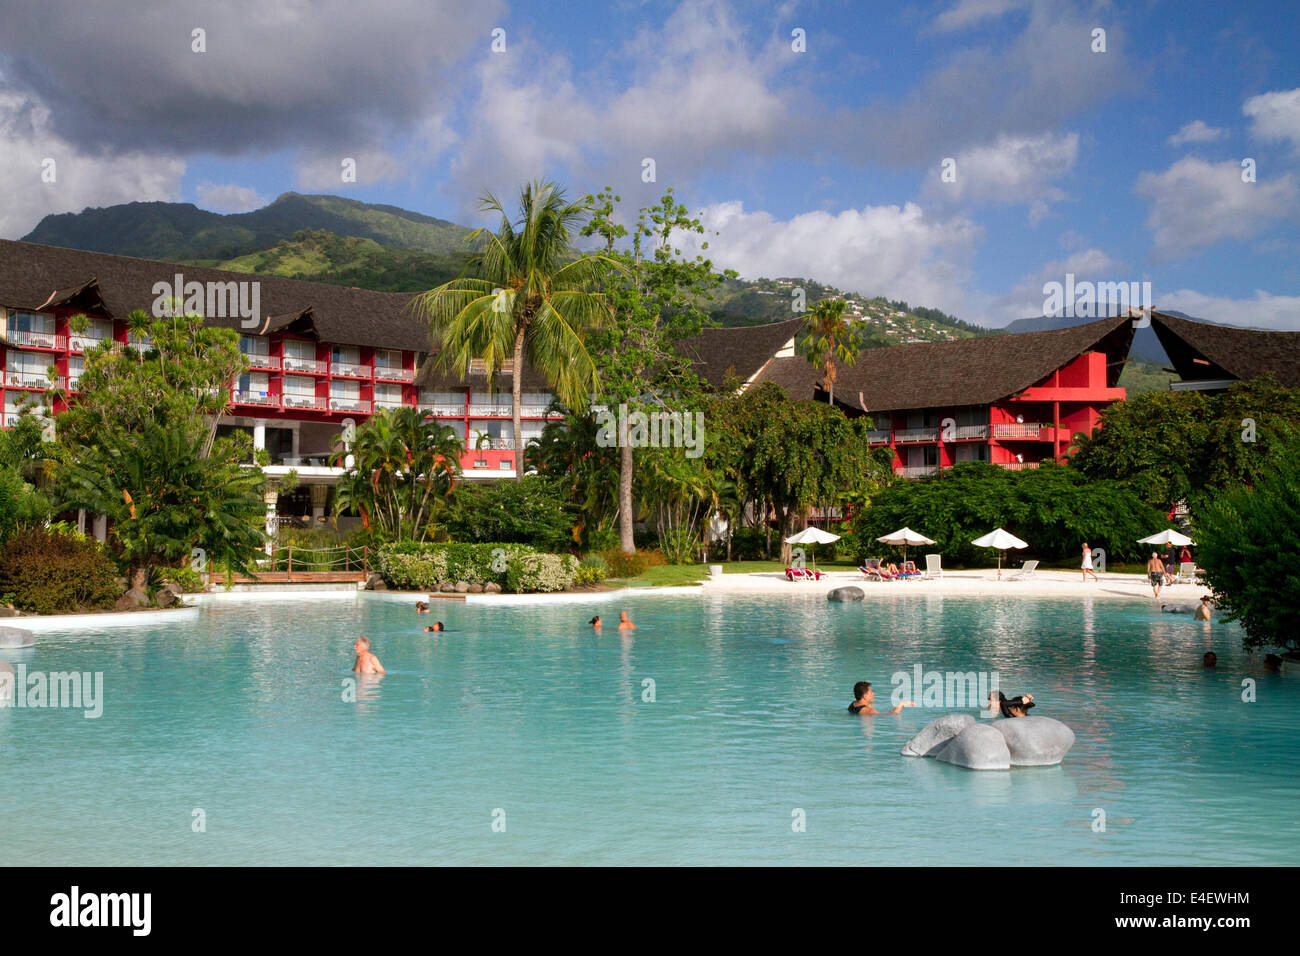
[935, 734]
[978, 747]
[1035, 741]
[846, 594]
[165, 598]
[16, 637]
[373, 582]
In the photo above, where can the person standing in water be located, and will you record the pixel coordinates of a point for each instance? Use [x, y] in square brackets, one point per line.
[595, 623]
[864, 695]
[625, 622]
[1087, 564]
[366, 663]
[1202, 612]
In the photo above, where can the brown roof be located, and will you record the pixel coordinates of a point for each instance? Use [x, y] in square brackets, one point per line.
[742, 350]
[975, 371]
[34, 276]
[1230, 351]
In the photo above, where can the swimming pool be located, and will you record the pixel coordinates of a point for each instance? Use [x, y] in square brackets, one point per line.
[519, 736]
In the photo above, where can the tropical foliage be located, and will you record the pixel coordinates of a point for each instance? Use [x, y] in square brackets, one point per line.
[532, 511]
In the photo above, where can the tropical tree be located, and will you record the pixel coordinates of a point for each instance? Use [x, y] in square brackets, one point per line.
[402, 468]
[525, 298]
[831, 340]
[588, 474]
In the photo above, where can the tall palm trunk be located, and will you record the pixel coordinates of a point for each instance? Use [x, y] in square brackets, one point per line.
[516, 402]
[626, 519]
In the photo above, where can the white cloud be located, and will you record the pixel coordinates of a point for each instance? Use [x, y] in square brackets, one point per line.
[228, 198]
[1026, 299]
[1013, 169]
[1275, 116]
[1195, 204]
[1262, 311]
[877, 250]
[967, 12]
[81, 179]
[1196, 132]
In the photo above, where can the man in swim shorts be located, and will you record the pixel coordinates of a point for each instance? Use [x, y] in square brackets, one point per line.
[366, 663]
[1155, 573]
[864, 695]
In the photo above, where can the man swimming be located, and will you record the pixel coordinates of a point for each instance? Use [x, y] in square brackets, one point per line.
[366, 663]
[625, 622]
[421, 607]
[435, 626]
[864, 695]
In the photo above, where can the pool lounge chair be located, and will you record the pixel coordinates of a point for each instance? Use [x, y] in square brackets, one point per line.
[933, 566]
[1026, 570]
[1186, 573]
[872, 571]
[908, 570]
[803, 574]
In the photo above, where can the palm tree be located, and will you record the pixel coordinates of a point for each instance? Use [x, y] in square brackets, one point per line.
[524, 301]
[832, 340]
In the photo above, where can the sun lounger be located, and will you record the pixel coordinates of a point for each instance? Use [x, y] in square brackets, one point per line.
[1026, 570]
[872, 571]
[934, 565]
[803, 574]
[1186, 573]
[908, 570]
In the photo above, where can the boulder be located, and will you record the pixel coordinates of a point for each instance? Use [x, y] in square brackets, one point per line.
[165, 598]
[476, 589]
[1035, 741]
[447, 587]
[16, 637]
[380, 585]
[9, 612]
[373, 580]
[978, 747]
[132, 599]
[173, 588]
[491, 588]
[935, 734]
[462, 587]
[846, 594]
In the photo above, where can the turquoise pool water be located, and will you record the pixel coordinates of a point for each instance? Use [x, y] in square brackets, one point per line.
[522, 709]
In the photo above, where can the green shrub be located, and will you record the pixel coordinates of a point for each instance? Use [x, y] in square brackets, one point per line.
[630, 565]
[746, 544]
[189, 579]
[532, 511]
[541, 572]
[602, 539]
[56, 573]
[422, 566]
[592, 569]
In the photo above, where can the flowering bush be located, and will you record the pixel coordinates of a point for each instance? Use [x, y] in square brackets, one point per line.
[542, 572]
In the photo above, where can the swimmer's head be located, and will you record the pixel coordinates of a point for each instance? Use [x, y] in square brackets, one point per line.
[362, 643]
[595, 621]
[622, 615]
[437, 625]
[861, 689]
[1210, 659]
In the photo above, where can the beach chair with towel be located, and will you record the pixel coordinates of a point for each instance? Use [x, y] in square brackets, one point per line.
[933, 566]
[908, 569]
[872, 571]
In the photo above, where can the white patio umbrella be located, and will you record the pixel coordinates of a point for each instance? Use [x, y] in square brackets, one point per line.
[1168, 536]
[1002, 540]
[813, 536]
[904, 537]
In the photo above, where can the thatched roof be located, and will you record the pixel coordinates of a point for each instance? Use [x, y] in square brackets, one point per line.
[34, 276]
[1201, 351]
[975, 371]
[744, 351]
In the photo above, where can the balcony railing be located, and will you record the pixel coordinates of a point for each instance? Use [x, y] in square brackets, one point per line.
[387, 374]
[254, 398]
[363, 405]
[389, 403]
[84, 342]
[490, 411]
[917, 471]
[36, 340]
[292, 400]
[878, 436]
[443, 410]
[916, 434]
[17, 379]
[310, 366]
[256, 360]
[1018, 430]
[972, 431]
[350, 369]
[1019, 465]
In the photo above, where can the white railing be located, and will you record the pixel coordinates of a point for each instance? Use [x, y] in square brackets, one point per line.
[256, 360]
[878, 436]
[389, 374]
[388, 403]
[311, 366]
[916, 471]
[254, 398]
[84, 341]
[37, 340]
[1019, 465]
[16, 379]
[1017, 430]
[972, 431]
[292, 400]
[916, 434]
[490, 411]
[444, 411]
[362, 405]
[351, 369]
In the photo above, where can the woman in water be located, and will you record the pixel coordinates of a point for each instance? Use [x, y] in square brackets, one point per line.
[1010, 706]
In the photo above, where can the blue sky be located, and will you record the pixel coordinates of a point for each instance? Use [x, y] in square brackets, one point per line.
[1119, 165]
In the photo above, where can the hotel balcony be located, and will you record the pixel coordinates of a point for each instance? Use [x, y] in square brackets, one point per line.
[350, 370]
[1017, 465]
[916, 434]
[313, 402]
[918, 471]
[1028, 430]
[972, 431]
[388, 403]
[879, 436]
[490, 411]
[83, 342]
[363, 406]
[255, 398]
[261, 361]
[17, 379]
[36, 340]
[386, 374]
[307, 366]
[442, 410]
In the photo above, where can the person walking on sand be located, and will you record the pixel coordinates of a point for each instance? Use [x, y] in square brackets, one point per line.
[1155, 573]
[366, 663]
[1086, 567]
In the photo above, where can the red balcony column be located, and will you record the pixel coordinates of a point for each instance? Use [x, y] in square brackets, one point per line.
[1056, 430]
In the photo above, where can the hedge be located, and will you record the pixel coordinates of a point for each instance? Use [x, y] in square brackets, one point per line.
[425, 566]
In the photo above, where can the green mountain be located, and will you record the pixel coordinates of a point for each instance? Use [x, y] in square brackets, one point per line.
[182, 231]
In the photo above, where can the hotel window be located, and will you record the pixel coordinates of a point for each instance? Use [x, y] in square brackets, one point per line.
[27, 369]
[32, 328]
[388, 359]
[299, 391]
[389, 396]
[299, 355]
[253, 385]
[346, 360]
[76, 365]
[96, 331]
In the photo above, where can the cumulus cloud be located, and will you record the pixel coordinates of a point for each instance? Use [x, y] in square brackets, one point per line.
[967, 12]
[81, 177]
[1196, 132]
[1026, 298]
[1195, 204]
[1263, 310]
[1013, 169]
[876, 250]
[228, 198]
[1275, 116]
